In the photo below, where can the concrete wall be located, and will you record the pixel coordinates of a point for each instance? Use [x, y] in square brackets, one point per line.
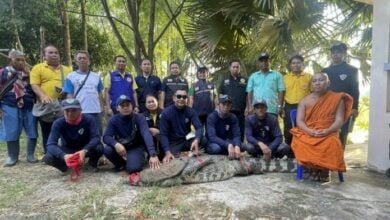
[379, 132]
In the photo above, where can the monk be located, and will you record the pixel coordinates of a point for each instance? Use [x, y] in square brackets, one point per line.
[320, 116]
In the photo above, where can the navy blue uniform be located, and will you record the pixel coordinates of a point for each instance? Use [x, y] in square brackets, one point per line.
[203, 93]
[170, 85]
[155, 124]
[73, 138]
[266, 130]
[221, 132]
[344, 78]
[175, 124]
[236, 89]
[135, 130]
[150, 85]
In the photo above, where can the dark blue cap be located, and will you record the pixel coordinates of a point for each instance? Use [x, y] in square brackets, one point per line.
[122, 99]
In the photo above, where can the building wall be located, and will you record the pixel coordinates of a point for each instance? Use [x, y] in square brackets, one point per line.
[379, 131]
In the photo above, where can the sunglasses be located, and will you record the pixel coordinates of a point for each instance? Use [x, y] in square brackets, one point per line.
[181, 96]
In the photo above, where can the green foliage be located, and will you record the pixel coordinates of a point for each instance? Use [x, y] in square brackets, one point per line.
[362, 121]
[30, 15]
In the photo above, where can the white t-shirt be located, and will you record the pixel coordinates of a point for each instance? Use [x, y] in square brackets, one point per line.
[88, 96]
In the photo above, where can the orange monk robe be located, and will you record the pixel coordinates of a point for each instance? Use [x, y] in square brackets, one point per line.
[322, 152]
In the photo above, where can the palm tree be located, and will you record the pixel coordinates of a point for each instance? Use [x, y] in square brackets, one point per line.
[226, 29]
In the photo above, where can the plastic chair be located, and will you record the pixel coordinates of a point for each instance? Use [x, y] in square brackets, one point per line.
[293, 117]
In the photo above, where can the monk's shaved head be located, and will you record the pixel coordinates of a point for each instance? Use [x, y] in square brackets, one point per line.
[321, 75]
[320, 83]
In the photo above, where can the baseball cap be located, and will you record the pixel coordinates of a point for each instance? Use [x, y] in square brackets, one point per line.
[122, 99]
[70, 103]
[202, 68]
[260, 102]
[263, 56]
[339, 46]
[225, 98]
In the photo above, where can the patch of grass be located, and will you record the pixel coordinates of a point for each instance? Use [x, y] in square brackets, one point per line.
[159, 203]
[11, 191]
[92, 206]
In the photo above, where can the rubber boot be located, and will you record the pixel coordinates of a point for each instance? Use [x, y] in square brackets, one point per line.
[31, 144]
[13, 153]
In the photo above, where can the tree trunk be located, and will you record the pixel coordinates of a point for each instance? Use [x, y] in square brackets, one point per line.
[66, 33]
[18, 44]
[84, 24]
[151, 30]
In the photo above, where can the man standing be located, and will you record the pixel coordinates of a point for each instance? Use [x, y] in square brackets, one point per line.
[127, 135]
[263, 133]
[235, 87]
[77, 134]
[86, 86]
[223, 131]
[297, 86]
[202, 95]
[17, 99]
[147, 83]
[171, 84]
[47, 81]
[117, 83]
[344, 78]
[268, 85]
[175, 125]
[315, 139]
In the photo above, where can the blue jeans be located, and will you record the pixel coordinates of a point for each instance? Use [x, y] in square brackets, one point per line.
[134, 162]
[16, 119]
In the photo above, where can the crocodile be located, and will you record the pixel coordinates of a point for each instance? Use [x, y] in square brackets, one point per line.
[210, 168]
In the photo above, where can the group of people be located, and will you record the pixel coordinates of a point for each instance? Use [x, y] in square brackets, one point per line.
[153, 117]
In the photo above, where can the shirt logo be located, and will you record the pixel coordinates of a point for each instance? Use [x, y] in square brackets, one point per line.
[129, 79]
[242, 80]
[343, 76]
[266, 127]
[197, 88]
[227, 81]
[186, 120]
[81, 131]
[227, 127]
[169, 80]
[210, 86]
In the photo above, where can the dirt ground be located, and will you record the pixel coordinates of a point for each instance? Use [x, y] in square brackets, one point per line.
[41, 192]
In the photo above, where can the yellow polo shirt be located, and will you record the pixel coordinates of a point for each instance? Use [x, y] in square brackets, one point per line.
[48, 78]
[297, 86]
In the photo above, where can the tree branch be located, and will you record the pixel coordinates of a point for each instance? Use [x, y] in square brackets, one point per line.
[193, 56]
[174, 15]
[116, 32]
[102, 16]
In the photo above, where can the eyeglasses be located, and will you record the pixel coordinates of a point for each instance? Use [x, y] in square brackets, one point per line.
[181, 96]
